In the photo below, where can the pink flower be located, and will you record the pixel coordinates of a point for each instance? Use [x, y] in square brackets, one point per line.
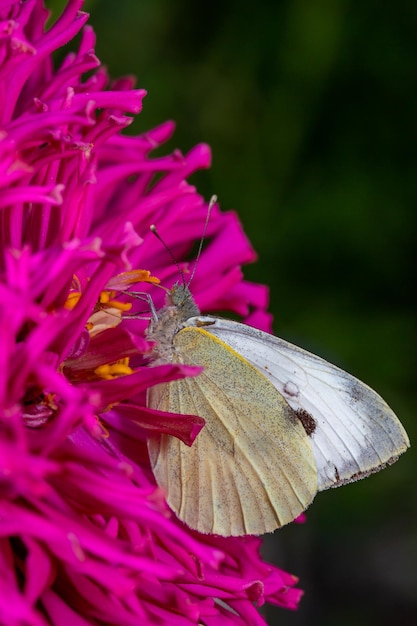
[85, 534]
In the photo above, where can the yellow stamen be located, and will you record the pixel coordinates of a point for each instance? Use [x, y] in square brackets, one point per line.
[72, 299]
[105, 296]
[122, 306]
[114, 370]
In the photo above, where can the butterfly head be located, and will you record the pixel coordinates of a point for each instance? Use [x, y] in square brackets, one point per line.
[180, 297]
[170, 319]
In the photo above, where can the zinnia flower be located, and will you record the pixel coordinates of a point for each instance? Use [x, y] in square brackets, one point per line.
[85, 534]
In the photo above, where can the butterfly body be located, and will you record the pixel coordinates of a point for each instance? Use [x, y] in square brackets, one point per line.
[281, 424]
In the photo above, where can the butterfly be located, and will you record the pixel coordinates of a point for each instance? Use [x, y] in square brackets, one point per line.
[281, 424]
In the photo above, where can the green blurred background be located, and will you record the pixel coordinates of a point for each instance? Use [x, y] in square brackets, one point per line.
[310, 108]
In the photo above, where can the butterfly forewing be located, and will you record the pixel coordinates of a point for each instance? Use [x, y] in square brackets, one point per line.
[251, 469]
[353, 431]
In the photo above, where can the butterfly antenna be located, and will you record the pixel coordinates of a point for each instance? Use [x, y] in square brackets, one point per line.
[212, 202]
[152, 228]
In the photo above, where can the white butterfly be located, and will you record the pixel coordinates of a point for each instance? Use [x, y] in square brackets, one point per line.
[281, 424]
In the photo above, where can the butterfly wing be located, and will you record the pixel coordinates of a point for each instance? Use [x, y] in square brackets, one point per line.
[251, 469]
[353, 431]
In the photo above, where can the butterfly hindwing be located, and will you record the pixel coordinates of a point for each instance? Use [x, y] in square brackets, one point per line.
[251, 469]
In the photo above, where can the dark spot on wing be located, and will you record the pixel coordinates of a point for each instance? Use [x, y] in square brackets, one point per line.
[307, 420]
